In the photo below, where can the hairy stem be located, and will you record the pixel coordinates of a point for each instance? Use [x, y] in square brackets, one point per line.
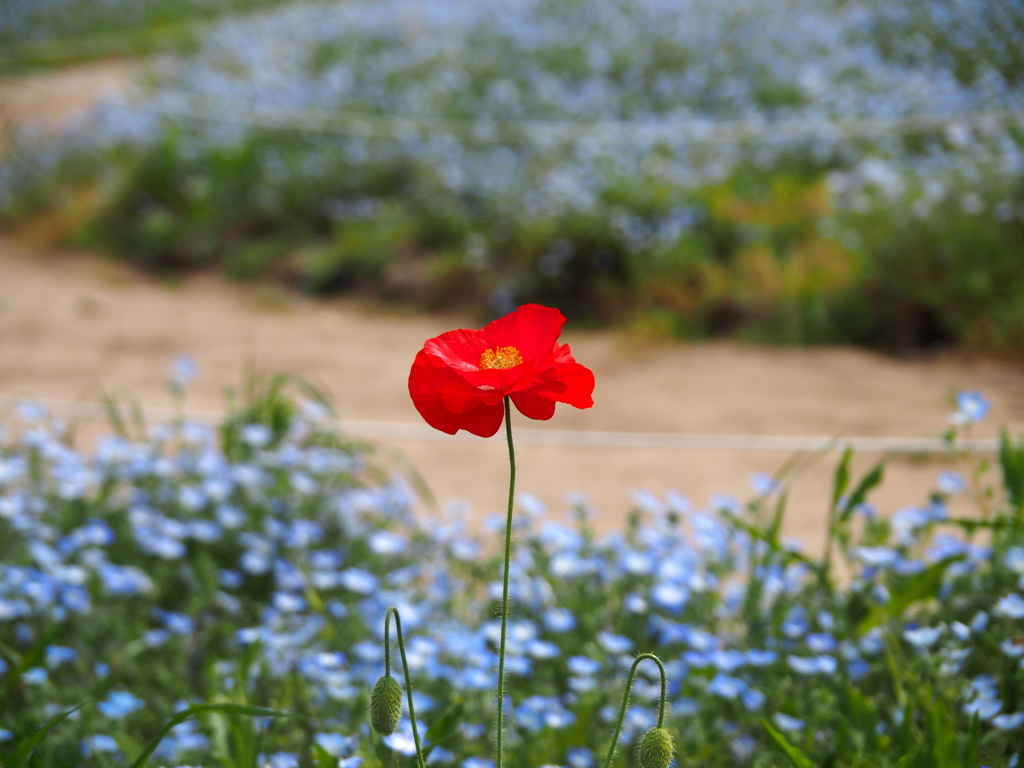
[625, 701]
[405, 669]
[504, 583]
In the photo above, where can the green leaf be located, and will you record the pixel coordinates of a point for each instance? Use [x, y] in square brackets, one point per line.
[861, 711]
[199, 709]
[773, 544]
[114, 416]
[28, 660]
[796, 757]
[29, 743]
[446, 726]
[941, 732]
[908, 759]
[1011, 462]
[842, 476]
[925, 585]
[380, 748]
[867, 483]
[324, 759]
[970, 753]
[778, 516]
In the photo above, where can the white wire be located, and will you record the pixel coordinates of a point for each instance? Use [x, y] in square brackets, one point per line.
[389, 430]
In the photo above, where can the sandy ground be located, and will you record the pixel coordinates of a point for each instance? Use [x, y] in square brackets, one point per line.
[50, 98]
[72, 323]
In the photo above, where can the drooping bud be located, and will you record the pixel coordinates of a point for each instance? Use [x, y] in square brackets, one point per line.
[656, 749]
[386, 705]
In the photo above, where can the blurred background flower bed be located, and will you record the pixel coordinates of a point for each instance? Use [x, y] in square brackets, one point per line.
[251, 562]
[785, 172]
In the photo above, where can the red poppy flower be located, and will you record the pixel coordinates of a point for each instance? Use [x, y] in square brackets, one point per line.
[460, 378]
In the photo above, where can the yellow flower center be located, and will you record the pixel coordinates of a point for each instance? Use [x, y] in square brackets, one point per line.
[500, 358]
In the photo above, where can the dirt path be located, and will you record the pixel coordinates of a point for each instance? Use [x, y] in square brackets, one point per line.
[49, 99]
[73, 323]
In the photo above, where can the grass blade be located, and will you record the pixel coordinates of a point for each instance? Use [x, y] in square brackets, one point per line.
[31, 742]
[199, 709]
[794, 754]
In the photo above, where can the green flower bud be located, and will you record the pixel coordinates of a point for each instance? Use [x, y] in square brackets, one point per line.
[385, 705]
[656, 749]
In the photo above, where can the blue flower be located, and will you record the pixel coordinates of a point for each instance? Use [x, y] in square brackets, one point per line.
[950, 482]
[437, 755]
[57, 655]
[728, 661]
[559, 620]
[960, 631]
[727, 687]
[386, 543]
[1009, 722]
[877, 557]
[670, 596]
[99, 743]
[579, 757]
[336, 744]
[1011, 649]
[761, 658]
[1014, 560]
[35, 676]
[752, 699]
[922, 638]
[183, 371]
[120, 704]
[788, 723]
[972, 407]
[357, 580]
[542, 649]
[1011, 606]
[256, 435]
[820, 642]
[582, 665]
[816, 665]
[283, 760]
[763, 485]
[538, 712]
[614, 644]
[402, 741]
[635, 604]
[985, 709]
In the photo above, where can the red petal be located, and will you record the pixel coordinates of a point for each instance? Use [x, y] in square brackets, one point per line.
[484, 420]
[447, 403]
[533, 405]
[577, 385]
[459, 349]
[563, 380]
[451, 392]
[532, 329]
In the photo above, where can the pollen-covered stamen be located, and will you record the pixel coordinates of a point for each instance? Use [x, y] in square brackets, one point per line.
[501, 358]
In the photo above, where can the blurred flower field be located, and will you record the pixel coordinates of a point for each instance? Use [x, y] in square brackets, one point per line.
[794, 171]
[250, 563]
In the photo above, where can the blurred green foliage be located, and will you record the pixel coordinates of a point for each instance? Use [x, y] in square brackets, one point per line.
[764, 256]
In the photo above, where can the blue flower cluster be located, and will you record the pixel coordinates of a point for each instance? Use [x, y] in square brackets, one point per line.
[254, 564]
[542, 107]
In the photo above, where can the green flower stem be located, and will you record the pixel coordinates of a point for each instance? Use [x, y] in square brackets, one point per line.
[504, 583]
[405, 669]
[625, 701]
